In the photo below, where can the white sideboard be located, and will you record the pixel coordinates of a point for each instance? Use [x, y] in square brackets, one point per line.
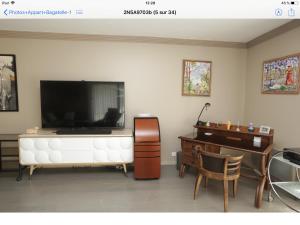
[47, 149]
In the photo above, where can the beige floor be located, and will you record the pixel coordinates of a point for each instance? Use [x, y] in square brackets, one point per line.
[108, 190]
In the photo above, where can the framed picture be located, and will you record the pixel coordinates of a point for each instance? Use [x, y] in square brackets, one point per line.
[196, 78]
[281, 75]
[264, 129]
[8, 83]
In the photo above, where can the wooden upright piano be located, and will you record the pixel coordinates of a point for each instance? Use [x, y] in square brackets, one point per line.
[215, 136]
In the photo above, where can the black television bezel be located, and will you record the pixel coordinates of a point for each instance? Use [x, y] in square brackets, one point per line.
[105, 82]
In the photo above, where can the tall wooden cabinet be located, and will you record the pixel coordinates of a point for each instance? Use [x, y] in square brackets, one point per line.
[146, 148]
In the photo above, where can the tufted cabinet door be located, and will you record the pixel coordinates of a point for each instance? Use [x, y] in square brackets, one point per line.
[35, 151]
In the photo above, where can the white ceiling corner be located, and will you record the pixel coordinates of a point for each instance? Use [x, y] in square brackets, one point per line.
[229, 30]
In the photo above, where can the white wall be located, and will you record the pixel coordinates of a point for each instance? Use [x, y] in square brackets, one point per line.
[152, 75]
[281, 112]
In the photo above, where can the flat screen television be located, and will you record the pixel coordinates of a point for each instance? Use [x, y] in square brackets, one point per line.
[82, 104]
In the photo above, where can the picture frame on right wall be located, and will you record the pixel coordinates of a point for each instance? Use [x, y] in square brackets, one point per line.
[281, 75]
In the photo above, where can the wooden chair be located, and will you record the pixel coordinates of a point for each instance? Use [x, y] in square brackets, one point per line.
[218, 167]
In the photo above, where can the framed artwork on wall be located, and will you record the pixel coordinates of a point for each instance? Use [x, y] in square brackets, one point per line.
[8, 84]
[281, 75]
[196, 80]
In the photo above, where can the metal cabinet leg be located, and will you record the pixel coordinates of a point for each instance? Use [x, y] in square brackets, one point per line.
[125, 169]
[20, 175]
[31, 169]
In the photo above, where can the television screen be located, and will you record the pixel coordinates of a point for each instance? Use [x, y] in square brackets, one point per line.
[76, 104]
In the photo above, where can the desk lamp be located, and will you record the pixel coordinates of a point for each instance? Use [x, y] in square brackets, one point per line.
[199, 123]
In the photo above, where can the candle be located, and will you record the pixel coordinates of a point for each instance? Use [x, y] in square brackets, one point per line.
[228, 125]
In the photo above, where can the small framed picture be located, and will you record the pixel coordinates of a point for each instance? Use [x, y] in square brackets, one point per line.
[264, 129]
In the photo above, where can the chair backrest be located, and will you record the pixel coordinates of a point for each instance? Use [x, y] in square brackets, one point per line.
[216, 163]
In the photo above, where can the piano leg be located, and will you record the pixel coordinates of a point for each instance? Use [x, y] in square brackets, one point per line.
[181, 170]
[260, 192]
[262, 182]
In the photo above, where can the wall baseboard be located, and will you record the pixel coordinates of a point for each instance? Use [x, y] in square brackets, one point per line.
[164, 163]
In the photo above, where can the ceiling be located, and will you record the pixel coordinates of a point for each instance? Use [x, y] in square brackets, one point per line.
[230, 30]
